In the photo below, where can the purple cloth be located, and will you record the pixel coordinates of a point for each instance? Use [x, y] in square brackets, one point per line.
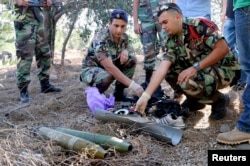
[97, 100]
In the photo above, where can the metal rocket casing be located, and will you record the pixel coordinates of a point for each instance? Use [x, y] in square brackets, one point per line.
[159, 131]
[73, 143]
[103, 140]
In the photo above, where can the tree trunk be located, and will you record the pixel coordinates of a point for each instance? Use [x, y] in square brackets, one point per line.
[71, 27]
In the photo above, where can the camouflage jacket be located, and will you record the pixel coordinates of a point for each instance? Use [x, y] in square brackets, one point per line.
[183, 51]
[148, 9]
[103, 46]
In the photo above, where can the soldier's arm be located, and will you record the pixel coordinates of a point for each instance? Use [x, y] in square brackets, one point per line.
[115, 72]
[135, 10]
[224, 9]
[158, 76]
[137, 28]
[220, 50]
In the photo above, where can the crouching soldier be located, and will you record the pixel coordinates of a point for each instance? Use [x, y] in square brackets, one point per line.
[108, 59]
[197, 61]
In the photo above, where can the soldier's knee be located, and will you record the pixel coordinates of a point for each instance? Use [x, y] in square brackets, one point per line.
[132, 62]
[104, 84]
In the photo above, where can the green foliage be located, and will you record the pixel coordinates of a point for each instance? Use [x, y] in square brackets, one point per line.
[75, 41]
[6, 28]
[7, 16]
[85, 33]
[99, 14]
[135, 41]
[6, 60]
[102, 12]
[7, 37]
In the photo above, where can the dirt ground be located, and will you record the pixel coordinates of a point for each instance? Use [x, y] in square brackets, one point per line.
[21, 146]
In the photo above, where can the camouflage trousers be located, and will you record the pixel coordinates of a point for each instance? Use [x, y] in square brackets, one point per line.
[30, 41]
[152, 39]
[100, 78]
[205, 85]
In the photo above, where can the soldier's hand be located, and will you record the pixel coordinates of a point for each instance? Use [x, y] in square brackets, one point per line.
[142, 103]
[48, 3]
[136, 88]
[137, 28]
[22, 2]
[186, 74]
[123, 57]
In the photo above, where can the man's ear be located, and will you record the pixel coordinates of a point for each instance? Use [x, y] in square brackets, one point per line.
[110, 22]
[178, 16]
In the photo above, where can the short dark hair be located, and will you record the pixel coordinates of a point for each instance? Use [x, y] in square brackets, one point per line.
[169, 6]
[119, 14]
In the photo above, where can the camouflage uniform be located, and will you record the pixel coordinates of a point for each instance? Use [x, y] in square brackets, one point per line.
[30, 40]
[152, 34]
[103, 46]
[185, 52]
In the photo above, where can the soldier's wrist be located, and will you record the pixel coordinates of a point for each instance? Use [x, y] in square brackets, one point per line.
[145, 95]
[197, 67]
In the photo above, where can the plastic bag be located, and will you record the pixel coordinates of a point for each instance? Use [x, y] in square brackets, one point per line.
[97, 100]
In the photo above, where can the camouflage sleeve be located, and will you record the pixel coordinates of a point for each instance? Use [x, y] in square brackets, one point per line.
[100, 49]
[169, 54]
[99, 45]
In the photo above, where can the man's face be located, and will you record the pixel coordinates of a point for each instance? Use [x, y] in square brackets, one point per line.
[171, 22]
[117, 28]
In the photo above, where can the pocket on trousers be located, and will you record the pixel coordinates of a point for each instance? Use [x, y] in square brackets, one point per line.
[226, 75]
[87, 76]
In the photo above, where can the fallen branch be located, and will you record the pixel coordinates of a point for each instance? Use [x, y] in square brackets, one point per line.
[16, 108]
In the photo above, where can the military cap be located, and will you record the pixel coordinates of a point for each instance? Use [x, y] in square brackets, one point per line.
[119, 14]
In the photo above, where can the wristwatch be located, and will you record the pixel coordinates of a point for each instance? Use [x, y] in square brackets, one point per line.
[196, 65]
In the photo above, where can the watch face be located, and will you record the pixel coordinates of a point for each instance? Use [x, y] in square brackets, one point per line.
[197, 66]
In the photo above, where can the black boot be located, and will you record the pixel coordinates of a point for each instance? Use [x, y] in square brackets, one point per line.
[24, 94]
[192, 104]
[47, 87]
[119, 93]
[219, 107]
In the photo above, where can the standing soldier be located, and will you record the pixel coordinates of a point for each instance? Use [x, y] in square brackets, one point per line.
[109, 58]
[151, 34]
[30, 40]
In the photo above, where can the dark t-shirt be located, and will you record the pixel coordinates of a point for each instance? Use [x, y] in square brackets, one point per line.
[230, 12]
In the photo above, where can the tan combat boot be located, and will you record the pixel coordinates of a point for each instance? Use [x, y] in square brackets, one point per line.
[233, 137]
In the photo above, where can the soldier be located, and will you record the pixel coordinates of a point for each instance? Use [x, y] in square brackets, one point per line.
[109, 58]
[30, 40]
[150, 33]
[197, 61]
